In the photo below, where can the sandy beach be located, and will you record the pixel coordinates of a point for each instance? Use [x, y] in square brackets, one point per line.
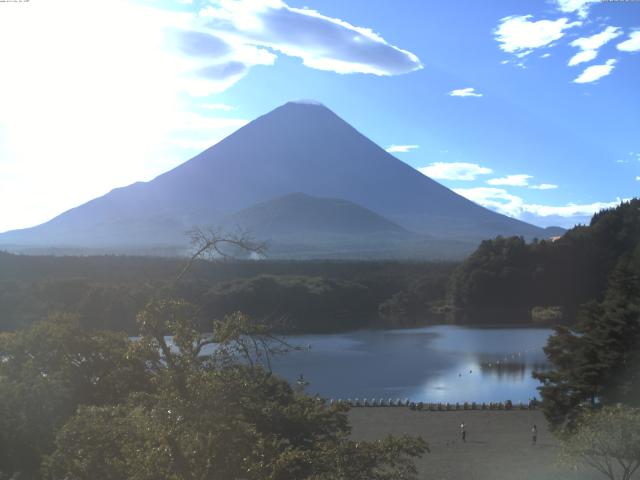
[498, 445]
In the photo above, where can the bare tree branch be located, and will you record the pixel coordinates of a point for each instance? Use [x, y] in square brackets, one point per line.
[209, 242]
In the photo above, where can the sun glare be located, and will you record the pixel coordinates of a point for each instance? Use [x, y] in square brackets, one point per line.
[88, 93]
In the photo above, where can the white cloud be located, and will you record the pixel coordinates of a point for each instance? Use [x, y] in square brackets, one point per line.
[581, 7]
[544, 186]
[632, 44]
[638, 178]
[520, 180]
[401, 148]
[545, 55]
[465, 92]
[500, 200]
[454, 171]
[595, 72]
[495, 198]
[322, 42]
[583, 57]
[519, 35]
[589, 45]
[569, 210]
[594, 42]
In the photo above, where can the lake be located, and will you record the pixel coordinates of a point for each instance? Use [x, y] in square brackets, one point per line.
[432, 364]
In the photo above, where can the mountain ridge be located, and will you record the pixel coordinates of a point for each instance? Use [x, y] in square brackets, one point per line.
[297, 147]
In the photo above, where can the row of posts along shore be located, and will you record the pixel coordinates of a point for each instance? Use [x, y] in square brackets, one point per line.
[436, 407]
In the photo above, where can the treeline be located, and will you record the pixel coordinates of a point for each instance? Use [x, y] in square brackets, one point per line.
[507, 277]
[107, 292]
[504, 280]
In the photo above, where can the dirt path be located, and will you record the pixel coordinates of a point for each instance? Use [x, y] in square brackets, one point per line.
[498, 445]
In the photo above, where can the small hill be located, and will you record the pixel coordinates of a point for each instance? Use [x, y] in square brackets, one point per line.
[300, 225]
[301, 214]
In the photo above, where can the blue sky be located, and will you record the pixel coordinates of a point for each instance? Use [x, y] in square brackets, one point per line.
[529, 107]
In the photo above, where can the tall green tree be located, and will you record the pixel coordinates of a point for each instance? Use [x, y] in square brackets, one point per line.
[597, 361]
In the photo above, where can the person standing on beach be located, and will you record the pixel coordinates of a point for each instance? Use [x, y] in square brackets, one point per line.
[534, 434]
[463, 433]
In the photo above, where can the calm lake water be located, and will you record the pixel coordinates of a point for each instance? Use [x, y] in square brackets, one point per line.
[431, 364]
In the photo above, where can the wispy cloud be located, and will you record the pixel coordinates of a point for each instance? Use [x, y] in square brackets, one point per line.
[401, 148]
[465, 92]
[519, 180]
[596, 72]
[502, 201]
[583, 56]
[520, 35]
[638, 178]
[322, 42]
[454, 171]
[544, 186]
[495, 198]
[632, 44]
[569, 210]
[589, 45]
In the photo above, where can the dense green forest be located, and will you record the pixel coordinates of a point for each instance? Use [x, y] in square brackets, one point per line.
[507, 277]
[596, 361]
[107, 292]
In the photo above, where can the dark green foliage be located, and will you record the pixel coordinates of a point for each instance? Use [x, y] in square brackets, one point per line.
[78, 404]
[422, 299]
[506, 275]
[107, 292]
[598, 360]
[304, 303]
[49, 370]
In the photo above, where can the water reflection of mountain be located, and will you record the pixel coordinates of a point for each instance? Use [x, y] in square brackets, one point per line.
[510, 371]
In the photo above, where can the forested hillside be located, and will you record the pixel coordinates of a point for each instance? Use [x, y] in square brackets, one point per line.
[507, 276]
